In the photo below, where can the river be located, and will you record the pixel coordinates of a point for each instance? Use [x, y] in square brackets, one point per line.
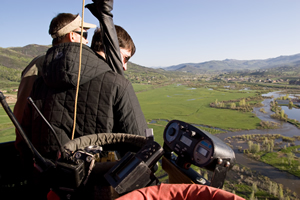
[286, 129]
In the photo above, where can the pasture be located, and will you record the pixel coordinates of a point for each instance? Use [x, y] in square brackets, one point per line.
[7, 129]
[178, 102]
[192, 105]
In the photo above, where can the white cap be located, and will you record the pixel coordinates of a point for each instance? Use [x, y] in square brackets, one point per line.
[76, 23]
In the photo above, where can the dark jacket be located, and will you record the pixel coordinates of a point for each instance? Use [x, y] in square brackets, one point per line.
[106, 100]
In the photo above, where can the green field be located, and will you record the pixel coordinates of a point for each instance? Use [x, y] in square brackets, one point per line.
[141, 87]
[176, 102]
[7, 129]
[165, 103]
[192, 105]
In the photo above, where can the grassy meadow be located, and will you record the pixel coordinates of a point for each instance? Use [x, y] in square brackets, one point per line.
[141, 87]
[192, 105]
[178, 102]
[7, 131]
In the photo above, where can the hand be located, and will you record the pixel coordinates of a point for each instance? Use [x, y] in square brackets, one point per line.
[100, 7]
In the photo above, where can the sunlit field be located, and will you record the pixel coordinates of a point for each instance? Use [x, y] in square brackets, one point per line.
[7, 129]
[192, 105]
[178, 102]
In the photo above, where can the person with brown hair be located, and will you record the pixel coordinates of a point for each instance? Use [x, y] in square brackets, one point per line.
[66, 27]
[126, 44]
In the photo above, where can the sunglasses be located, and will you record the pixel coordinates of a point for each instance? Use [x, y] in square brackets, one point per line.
[85, 34]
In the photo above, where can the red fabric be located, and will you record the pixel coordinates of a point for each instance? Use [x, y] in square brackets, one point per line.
[179, 192]
[52, 196]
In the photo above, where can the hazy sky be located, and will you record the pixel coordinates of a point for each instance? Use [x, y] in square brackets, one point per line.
[171, 32]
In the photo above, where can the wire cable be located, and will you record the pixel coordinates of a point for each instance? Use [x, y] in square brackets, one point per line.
[79, 70]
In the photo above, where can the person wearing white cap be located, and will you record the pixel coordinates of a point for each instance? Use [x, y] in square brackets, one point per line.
[66, 27]
[106, 102]
[67, 30]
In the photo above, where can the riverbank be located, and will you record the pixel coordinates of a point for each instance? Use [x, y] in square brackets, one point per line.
[279, 151]
[280, 177]
[288, 130]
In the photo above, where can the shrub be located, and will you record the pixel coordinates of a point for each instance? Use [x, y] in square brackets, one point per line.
[262, 110]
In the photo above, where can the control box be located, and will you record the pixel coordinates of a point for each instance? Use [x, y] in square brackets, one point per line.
[133, 171]
[195, 146]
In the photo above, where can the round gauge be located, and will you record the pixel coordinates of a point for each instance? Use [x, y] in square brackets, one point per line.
[203, 152]
[172, 132]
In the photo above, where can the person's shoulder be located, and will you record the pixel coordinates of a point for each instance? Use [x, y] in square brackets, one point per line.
[117, 75]
[34, 66]
[116, 78]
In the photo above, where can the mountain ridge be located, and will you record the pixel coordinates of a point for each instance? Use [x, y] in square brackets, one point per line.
[234, 64]
[19, 57]
[13, 61]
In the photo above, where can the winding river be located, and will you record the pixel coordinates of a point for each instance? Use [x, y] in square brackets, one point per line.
[287, 129]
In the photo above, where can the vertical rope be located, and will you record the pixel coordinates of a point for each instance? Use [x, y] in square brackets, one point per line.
[79, 71]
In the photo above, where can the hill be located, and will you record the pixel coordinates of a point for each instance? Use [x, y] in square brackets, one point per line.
[232, 65]
[19, 57]
[13, 60]
[140, 74]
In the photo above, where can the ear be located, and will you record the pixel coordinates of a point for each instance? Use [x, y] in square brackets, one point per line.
[71, 37]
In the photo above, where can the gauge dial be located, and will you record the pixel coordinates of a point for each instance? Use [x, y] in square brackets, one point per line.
[172, 132]
[203, 152]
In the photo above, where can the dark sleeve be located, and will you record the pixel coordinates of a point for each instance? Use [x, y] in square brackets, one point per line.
[110, 38]
[128, 115]
[101, 9]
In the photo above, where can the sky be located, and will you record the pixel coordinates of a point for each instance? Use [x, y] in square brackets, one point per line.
[172, 32]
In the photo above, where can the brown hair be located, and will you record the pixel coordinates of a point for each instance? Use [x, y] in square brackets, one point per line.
[125, 41]
[97, 43]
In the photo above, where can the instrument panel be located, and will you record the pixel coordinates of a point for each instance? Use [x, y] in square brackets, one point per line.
[189, 143]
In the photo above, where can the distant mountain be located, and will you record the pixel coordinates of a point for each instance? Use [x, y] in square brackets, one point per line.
[17, 58]
[231, 64]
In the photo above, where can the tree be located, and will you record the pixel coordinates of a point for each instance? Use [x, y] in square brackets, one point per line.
[254, 187]
[250, 144]
[274, 189]
[287, 198]
[232, 105]
[272, 145]
[270, 187]
[221, 105]
[242, 103]
[290, 156]
[252, 197]
[282, 116]
[268, 147]
[291, 104]
[257, 148]
[280, 192]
